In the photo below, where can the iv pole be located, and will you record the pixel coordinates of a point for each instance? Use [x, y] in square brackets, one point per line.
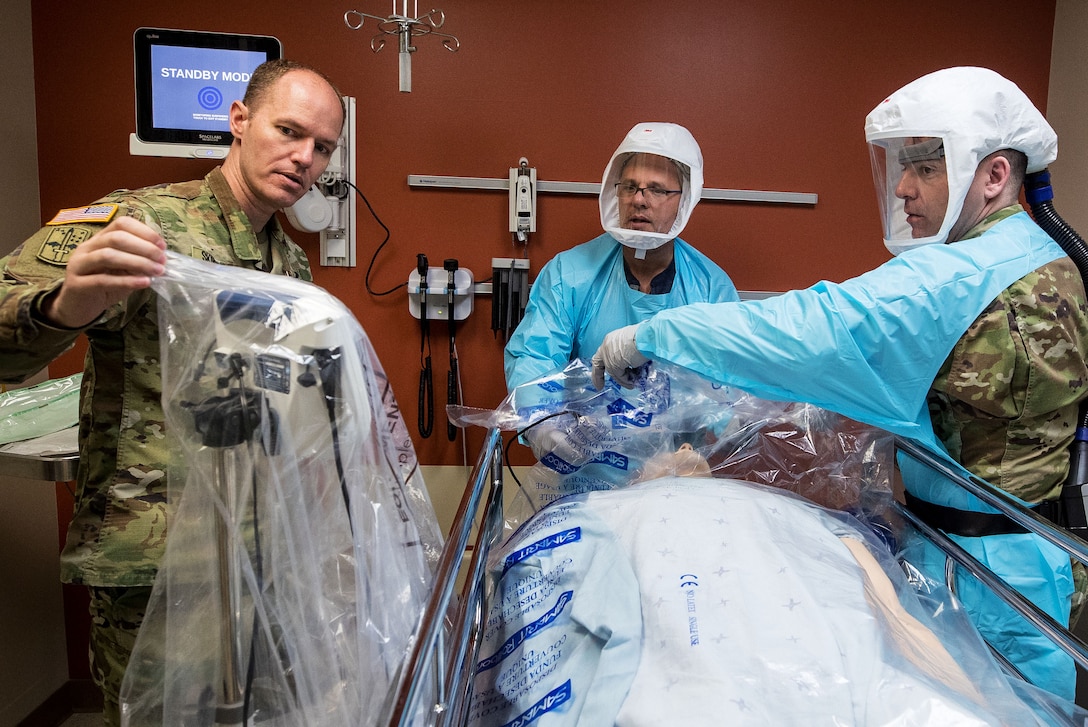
[405, 27]
[226, 422]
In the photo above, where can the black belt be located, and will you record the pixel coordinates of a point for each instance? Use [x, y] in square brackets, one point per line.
[976, 524]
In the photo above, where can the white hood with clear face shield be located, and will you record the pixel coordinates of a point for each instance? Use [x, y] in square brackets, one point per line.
[947, 122]
[667, 140]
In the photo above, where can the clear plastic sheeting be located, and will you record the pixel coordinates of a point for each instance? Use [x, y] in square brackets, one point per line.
[714, 601]
[304, 541]
[686, 553]
[36, 411]
[601, 440]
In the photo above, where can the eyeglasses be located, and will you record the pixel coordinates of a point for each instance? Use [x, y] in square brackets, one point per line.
[626, 190]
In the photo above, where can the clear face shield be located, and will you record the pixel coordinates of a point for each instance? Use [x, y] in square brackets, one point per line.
[910, 175]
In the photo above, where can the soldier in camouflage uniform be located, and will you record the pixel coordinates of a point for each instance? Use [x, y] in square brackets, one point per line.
[88, 271]
[975, 347]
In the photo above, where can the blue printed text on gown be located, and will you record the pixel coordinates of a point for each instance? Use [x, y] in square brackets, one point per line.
[551, 700]
[518, 638]
[572, 535]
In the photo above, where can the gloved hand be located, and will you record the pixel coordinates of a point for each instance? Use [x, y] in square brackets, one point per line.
[545, 437]
[568, 437]
[619, 356]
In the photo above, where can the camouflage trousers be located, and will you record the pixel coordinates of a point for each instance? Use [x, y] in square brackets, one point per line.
[116, 615]
[1080, 592]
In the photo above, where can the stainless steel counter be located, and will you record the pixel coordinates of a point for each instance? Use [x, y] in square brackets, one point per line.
[49, 467]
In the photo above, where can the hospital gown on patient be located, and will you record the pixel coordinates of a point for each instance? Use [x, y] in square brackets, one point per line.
[712, 601]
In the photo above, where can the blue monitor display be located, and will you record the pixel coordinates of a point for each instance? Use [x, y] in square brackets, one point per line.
[186, 81]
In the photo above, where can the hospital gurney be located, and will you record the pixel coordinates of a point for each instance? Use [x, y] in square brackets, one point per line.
[452, 647]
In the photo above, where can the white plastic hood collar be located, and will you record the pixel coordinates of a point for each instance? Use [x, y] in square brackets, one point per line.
[976, 112]
[668, 140]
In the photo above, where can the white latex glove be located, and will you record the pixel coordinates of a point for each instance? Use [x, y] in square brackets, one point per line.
[619, 356]
[571, 439]
[544, 438]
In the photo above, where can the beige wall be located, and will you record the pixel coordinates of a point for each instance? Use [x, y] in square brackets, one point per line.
[19, 171]
[1067, 111]
[31, 611]
[446, 485]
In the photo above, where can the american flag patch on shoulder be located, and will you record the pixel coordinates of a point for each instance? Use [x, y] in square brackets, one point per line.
[91, 213]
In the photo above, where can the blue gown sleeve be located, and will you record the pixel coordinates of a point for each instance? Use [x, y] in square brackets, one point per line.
[582, 294]
[868, 348]
[544, 339]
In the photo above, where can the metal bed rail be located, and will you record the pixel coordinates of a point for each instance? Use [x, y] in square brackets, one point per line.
[1000, 500]
[434, 683]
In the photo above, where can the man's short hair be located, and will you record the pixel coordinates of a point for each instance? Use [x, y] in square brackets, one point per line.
[266, 75]
[1018, 165]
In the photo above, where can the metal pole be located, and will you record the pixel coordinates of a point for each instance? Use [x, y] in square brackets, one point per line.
[430, 621]
[231, 706]
[999, 500]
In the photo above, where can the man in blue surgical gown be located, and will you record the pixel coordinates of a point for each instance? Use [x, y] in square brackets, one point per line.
[638, 267]
[974, 348]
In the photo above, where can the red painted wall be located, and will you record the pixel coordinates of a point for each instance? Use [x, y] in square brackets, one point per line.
[776, 93]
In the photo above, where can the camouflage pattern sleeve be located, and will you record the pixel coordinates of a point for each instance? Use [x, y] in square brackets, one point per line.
[27, 276]
[1005, 402]
[35, 270]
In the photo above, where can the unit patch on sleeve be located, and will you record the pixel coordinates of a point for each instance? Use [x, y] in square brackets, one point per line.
[91, 213]
[60, 243]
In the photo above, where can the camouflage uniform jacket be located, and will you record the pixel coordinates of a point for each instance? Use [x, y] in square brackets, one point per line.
[118, 532]
[1005, 401]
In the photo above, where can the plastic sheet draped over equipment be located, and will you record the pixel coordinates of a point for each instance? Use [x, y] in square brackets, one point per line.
[304, 540]
[608, 439]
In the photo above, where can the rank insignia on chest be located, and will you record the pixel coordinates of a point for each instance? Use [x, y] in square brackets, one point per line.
[91, 213]
[60, 243]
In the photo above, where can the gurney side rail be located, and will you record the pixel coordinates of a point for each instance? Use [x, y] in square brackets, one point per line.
[423, 665]
[1014, 510]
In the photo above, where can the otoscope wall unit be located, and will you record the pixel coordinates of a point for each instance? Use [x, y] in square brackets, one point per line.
[430, 290]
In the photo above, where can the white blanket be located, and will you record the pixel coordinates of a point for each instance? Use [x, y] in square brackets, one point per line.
[708, 601]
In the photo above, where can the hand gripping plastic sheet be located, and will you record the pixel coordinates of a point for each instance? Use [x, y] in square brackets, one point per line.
[717, 602]
[304, 541]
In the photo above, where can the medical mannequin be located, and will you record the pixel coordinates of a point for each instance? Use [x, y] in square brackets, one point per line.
[684, 462]
[687, 599]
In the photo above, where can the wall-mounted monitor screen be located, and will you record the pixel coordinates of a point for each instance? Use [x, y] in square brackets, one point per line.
[186, 81]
